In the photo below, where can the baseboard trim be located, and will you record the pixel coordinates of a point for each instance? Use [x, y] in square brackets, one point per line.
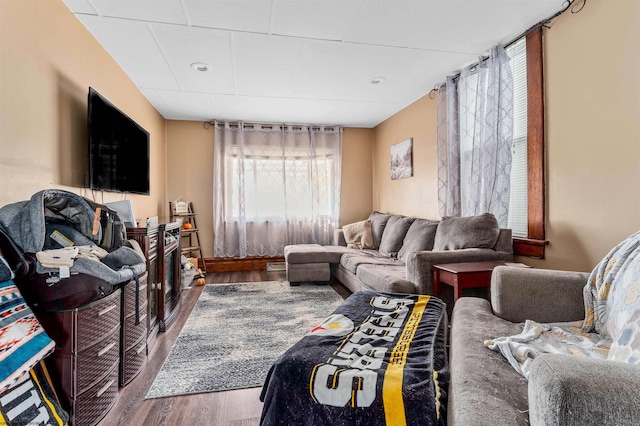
[233, 264]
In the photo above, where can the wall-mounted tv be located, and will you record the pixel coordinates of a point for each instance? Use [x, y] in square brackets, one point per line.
[118, 149]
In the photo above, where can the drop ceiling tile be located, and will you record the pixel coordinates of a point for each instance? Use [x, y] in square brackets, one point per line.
[131, 44]
[302, 111]
[158, 103]
[188, 105]
[265, 65]
[487, 23]
[169, 11]
[80, 6]
[321, 19]
[239, 15]
[398, 23]
[343, 71]
[183, 46]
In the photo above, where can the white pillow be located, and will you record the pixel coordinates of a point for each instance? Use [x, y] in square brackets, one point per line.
[358, 235]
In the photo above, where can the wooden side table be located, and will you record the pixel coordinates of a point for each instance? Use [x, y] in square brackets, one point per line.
[463, 275]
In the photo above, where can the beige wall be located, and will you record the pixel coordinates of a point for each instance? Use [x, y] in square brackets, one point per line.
[592, 78]
[418, 195]
[356, 200]
[190, 174]
[48, 60]
[592, 85]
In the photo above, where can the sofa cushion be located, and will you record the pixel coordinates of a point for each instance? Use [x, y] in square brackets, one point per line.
[455, 233]
[306, 253]
[387, 278]
[378, 223]
[358, 235]
[334, 253]
[351, 261]
[394, 234]
[420, 237]
[484, 389]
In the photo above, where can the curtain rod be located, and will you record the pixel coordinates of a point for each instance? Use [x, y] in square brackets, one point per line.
[575, 9]
[207, 124]
[569, 3]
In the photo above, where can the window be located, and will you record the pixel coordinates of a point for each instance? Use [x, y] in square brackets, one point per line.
[295, 184]
[274, 185]
[518, 197]
[533, 244]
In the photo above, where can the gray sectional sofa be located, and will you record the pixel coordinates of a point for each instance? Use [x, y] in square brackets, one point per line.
[484, 390]
[404, 249]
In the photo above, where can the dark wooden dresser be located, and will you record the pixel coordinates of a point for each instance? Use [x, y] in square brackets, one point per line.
[87, 357]
[133, 339]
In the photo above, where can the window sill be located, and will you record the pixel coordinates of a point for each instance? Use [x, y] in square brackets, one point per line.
[529, 247]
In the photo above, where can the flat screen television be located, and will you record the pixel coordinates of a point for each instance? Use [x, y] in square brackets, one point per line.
[118, 149]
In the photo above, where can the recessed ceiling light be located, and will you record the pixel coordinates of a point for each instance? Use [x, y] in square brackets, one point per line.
[200, 66]
[378, 80]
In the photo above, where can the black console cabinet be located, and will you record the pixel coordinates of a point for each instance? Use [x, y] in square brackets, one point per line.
[161, 247]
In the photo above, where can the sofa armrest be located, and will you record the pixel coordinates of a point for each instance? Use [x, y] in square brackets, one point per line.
[419, 265]
[338, 238]
[565, 390]
[543, 295]
[505, 241]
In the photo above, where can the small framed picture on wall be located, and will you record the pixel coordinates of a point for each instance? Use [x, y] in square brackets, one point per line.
[402, 159]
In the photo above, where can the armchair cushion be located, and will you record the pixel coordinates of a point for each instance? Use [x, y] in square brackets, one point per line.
[455, 233]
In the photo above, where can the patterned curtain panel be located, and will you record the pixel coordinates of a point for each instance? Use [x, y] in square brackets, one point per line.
[475, 137]
[274, 185]
[448, 137]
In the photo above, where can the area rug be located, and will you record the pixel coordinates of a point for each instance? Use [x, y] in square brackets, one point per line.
[236, 331]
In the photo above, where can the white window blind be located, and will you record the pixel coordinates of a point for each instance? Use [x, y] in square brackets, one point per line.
[518, 206]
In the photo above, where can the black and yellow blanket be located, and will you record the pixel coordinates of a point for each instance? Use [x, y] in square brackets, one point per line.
[379, 359]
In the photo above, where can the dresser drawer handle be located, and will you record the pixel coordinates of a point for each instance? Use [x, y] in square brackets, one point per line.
[141, 348]
[106, 310]
[106, 349]
[104, 389]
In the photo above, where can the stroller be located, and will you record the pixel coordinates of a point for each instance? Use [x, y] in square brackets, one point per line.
[66, 251]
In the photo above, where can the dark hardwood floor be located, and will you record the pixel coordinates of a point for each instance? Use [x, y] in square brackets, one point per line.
[233, 408]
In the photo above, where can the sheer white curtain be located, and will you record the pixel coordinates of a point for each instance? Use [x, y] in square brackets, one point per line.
[475, 136]
[274, 185]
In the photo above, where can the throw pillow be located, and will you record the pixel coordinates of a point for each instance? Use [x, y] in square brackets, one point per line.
[456, 233]
[420, 237]
[378, 222]
[358, 235]
[394, 233]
